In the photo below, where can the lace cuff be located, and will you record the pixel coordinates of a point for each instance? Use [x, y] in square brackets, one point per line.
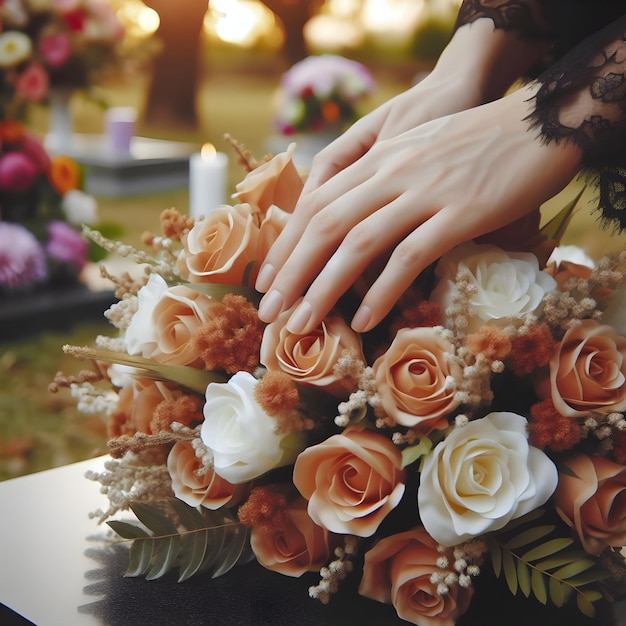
[582, 98]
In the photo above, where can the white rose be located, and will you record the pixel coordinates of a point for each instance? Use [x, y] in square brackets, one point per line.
[240, 434]
[507, 284]
[141, 332]
[79, 207]
[573, 254]
[481, 476]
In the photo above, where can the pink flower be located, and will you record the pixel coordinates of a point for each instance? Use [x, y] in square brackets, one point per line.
[22, 259]
[17, 172]
[32, 147]
[66, 245]
[32, 83]
[55, 49]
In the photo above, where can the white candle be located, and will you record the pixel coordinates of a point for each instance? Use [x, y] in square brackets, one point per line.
[208, 174]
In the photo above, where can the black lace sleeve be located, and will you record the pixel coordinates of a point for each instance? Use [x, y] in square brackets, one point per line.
[582, 98]
[582, 94]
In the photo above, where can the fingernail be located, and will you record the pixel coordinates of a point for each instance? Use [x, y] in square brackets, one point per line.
[265, 278]
[270, 306]
[362, 319]
[300, 318]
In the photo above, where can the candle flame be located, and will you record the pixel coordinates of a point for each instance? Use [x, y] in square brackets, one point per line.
[208, 152]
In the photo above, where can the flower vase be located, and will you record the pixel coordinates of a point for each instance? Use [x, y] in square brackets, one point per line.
[60, 126]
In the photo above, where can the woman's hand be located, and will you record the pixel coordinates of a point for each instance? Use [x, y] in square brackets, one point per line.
[415, 195]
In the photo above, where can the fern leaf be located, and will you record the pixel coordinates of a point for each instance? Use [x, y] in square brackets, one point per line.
[139, 558]
[236, 548]
[165, 553]
[538, 585]
[523, 578]
[546, 549]
[192, 554]
[510, 573]
[585, 601]
[558, 592]
[572, 569]
[495, 552]
[529, 536]
[127, 530]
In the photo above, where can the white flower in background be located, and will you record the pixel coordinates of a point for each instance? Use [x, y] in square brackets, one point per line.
[79, 207]
[15, 47]
[506, 284]
[571, 254]
[141, 331]
[482, 476]
[240, 434]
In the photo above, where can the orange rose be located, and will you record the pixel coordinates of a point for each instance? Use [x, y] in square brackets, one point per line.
[415, 379]
[276, 182]
[592, 500]
[309, 359]
[588, 371]
[295, 546]
[351, 480]
[136, 405]
[197, 488]
[398, 571]
[221, 247]
[178, 314]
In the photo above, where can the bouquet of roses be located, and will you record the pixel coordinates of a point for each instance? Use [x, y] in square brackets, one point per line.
[54, 44]
[41, 209]
[321, 92]
[479, 430]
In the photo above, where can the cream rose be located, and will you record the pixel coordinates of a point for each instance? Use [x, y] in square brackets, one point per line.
[221, 247]
[178, 314]
[276, 182]
[351, 480]
[240, 434]
[197, 487]
[309, 359]
[588, 371]
[506, 284]
[416, 379]
[295, 545]
[592, 500]
[398, 570]
[141, 335]
[481, 476]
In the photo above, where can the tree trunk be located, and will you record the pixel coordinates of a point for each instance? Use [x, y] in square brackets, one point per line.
[172, 94]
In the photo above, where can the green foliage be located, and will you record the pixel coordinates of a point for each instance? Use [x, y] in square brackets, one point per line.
[182, 537]
[538, 562]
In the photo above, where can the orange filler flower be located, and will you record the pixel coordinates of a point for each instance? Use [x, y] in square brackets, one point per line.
[64, 174]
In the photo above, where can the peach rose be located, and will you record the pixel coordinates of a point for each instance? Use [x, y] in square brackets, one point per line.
[272, 225]
[398, 571]
[309, 359]
[276, 182]
[195, 487]
[136, 405]
[592, 500]
[416, 379]
[177, 315]
[221, 247]
[296, 546]
[352, 481]
[588, 371]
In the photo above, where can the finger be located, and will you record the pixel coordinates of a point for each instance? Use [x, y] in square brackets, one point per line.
[340, 187]
[322, 236]
[365, 242]
[437, 235]
[344, 151]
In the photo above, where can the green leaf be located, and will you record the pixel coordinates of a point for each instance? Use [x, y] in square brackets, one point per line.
[495, 552]
[585, 604]
[523, 578]
[556, 227]
[192, 554]
[164, 558]
[510, 574]
[191, 378]
[153, 519]
[546, 549]
[139, 558]
[127, 530]
[558, 561]
[529, 536]
[558, 592]
[236, 548]
[574, 568]
[413, 453]
[538, 583]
